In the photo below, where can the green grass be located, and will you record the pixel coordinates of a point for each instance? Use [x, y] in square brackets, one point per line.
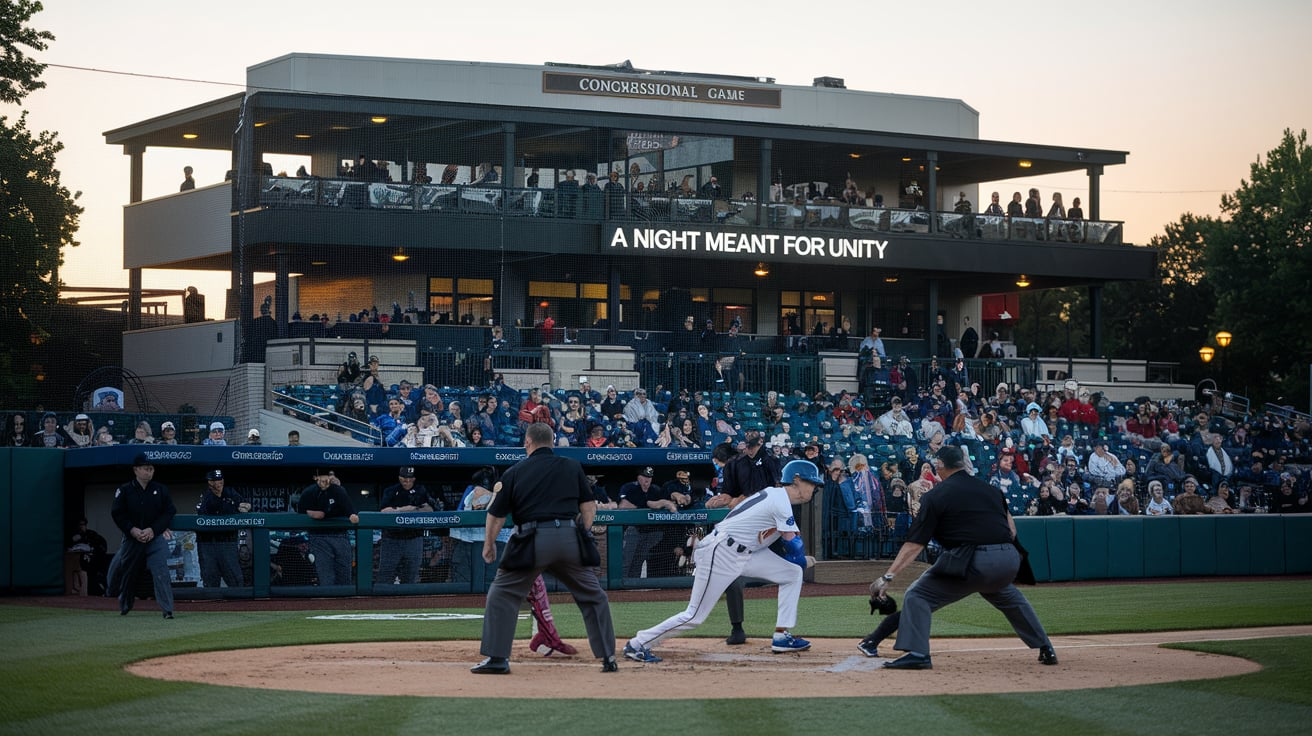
[61, 673]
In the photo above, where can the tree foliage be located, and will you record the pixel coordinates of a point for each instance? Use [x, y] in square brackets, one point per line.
[1262, 255]
[1165, 317]
[18, 72]
[39, 214]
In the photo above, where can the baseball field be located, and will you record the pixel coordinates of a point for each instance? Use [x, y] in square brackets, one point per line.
[1220, 656]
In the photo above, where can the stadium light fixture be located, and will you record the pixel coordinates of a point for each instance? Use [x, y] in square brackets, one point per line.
[378, 119]
[762, 270]
[1023, 281]
[400, 256]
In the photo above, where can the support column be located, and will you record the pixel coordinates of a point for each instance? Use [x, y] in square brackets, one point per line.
[281, 294]
[931, 320]
[763, 180]
[241, 302]
[1095, 192]
[613, 305]
[1095, 321]
[508, 176]
[931, 166]
[136, 158]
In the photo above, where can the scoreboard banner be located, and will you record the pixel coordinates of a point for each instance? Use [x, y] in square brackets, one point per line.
[91, 457]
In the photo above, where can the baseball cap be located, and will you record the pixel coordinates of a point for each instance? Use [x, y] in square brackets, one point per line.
[141, 459]
[647, 472]
[406, 472]
[81, 418]
[1002, 387]
[214, 474]
[583, 380]
[639, 391]
[218, 426]
[166, 425]
[253, 433]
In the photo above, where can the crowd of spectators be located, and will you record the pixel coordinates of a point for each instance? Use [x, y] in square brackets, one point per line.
[82, 431]
[1068, 451]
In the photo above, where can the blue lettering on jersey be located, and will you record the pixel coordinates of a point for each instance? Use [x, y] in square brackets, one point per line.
[791, 522]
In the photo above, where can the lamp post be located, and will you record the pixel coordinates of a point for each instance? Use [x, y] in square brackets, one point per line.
[1223, 339]
[1065, 316]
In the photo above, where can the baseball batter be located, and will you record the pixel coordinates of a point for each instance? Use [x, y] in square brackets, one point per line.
[738, 547]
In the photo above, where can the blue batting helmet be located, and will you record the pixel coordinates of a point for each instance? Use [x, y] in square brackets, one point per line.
[804, 469]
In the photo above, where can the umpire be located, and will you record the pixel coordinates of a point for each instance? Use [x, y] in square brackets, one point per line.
[548, 496]
[961, 511]
[325, 499]
[143, 511]
[403, 549]
[219, 562]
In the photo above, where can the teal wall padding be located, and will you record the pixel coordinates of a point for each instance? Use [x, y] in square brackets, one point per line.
[1161, 547]
[1125, 550]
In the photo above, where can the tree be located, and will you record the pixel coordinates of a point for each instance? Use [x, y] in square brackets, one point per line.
[39, 214]
[18, 73]
[1262, 256]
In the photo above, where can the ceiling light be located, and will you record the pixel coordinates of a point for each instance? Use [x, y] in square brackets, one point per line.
[891, 279]
[1022, 281]
[1026, 163]
[854, 155]
[262, 123]
[1223, 338]
[318, 263]
[1206, 353]
[302, 136]
[339, 127]
[819, 298]
[190, 136]
[379, 119]
[400, 255]
[762, 270]
[906, 159]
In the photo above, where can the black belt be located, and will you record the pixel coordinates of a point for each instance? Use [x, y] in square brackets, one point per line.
[731, 544]
[991, 547]
[530, 525]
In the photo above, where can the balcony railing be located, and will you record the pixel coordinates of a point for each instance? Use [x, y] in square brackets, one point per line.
[597, 204]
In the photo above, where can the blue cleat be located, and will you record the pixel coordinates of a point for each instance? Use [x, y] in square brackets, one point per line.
[785, 642]
[640, 655]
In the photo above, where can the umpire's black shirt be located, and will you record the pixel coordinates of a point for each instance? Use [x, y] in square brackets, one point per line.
[542, 487]
[745, 475]
[961, 510]
[333, 502]
[144, 508]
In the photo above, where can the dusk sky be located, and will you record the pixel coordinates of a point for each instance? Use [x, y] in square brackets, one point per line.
[1194, 91]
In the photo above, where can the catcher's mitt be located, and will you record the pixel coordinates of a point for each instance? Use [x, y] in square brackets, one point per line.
[885, 605]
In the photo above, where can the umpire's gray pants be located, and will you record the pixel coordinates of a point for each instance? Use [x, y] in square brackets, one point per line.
[556, 550]
[991, 574]
[332, 558]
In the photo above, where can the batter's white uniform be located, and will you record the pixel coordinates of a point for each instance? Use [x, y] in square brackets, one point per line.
[737, 548]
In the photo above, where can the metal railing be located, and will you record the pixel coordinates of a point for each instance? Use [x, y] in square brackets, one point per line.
[665, 207]
[325, 417]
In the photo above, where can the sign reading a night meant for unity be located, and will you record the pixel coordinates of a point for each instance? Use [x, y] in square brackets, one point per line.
[647, 88]
[729, 242]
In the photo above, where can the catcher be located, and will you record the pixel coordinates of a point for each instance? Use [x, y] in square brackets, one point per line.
[887, 607]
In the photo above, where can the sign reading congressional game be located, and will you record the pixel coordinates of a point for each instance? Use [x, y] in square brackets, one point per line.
[747, 244]
[659, 89]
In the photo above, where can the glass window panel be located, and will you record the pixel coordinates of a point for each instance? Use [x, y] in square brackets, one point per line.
[558, 289]
[482, 287]
[440, 285]
[592, 291]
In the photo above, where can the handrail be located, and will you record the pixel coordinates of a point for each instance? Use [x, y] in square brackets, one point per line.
[297, 408]
[599, 205]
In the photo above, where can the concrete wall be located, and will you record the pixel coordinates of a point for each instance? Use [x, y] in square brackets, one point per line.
[495, 84]
[178, 227]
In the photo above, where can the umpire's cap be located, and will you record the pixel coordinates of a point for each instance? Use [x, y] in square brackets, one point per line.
[951, 457]
[215, 474]
[140, 459]
[406, 472]
[804, 469]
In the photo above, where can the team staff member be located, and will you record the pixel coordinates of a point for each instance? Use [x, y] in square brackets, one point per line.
[403, 549]
[962, 510]
[218, 550]
[143, 510]
[545, 493]
[744, 475]
[325, 499]
[740, 546]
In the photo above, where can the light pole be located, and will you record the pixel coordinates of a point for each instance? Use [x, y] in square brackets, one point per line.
[1223, 339]
[1065, 316]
